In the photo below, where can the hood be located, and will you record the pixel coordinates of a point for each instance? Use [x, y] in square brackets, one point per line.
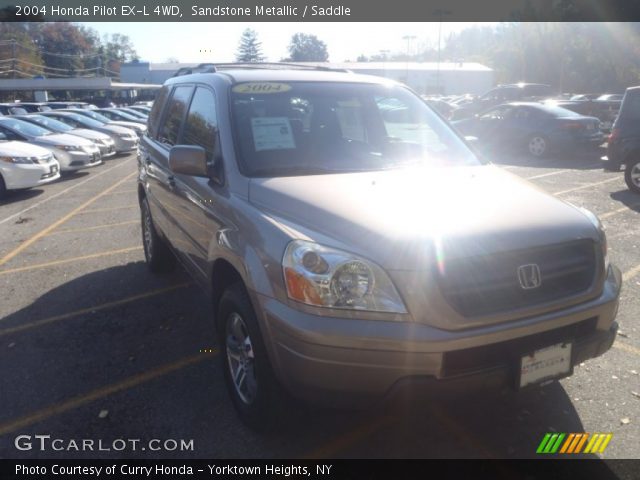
[91, 134]
[131, 125]
[400, 218]
[116, 129]
[64, 139]
[22, 149]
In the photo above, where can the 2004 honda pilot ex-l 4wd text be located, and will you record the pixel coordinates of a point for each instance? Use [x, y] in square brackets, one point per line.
[354, 245]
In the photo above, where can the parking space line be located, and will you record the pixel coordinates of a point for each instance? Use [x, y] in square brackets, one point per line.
[97, 227]
[99, 393]
[69, 260]
[346, 439]
[627, 348]
[589, 185]
[96, 308]
[27, 243]
[619, 210]
[566, 170]
[108, 209]
[117, 192]
[48, 199]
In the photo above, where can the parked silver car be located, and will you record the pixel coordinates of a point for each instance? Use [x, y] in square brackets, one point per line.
[103, 141]
[73, 153]
[139, 126]
[354, 246]
[125, 139]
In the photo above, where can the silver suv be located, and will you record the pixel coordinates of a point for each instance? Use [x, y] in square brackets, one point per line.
[354, 245]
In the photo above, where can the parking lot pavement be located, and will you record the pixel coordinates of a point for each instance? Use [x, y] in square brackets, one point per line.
[92, 346]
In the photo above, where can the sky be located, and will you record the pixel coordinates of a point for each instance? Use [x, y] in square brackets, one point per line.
[218, 42]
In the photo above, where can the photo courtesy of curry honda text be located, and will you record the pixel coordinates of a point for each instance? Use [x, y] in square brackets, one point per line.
[354, 245]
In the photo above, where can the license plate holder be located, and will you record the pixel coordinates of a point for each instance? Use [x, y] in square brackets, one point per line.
[545, 364]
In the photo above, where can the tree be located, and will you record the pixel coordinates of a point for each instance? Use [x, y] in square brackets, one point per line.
[20, 55]
[250, 49]
[307, 48]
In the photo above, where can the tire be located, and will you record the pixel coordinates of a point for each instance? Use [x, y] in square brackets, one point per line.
[632, 176]
[537, 145]
[3, 188]
[254, 390]
[159, 257]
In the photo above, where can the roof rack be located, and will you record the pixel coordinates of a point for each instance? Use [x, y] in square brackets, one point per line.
[214, 67]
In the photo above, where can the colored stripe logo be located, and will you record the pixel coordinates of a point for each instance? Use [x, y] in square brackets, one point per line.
[574, 443]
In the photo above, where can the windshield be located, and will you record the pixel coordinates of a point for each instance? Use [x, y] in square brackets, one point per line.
[25, 128]
[301, 128]
[85, 121]
[124, 115]
[95, 116]
[49, 123]
[558, 111]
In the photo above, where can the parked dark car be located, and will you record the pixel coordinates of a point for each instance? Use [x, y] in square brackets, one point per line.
[34, 107]
[623, 146]
[12, 109]
[517, 92]
[604, 107]
[533, 127]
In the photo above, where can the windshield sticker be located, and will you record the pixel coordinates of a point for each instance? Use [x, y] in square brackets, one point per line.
[261, 88]
[272, 133]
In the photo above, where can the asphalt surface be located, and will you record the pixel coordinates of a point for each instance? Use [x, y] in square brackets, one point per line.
[93, 346]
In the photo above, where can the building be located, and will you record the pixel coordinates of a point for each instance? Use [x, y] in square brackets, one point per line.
[446, 78]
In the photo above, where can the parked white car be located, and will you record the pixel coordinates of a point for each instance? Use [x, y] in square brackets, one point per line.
[73, 153]
[25, 166]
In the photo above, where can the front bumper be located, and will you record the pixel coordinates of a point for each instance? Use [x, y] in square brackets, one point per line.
[76, 160]
[125, 144]
[20, 176]
[342, 362]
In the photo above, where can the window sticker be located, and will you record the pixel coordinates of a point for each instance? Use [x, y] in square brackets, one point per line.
[261, 88]
[272, 133]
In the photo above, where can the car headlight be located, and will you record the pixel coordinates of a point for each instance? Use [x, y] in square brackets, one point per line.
[68, 148]
[603, 236]
[325, 277]
[22, 160]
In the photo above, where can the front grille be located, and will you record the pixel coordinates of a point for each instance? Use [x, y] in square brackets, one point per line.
[486, 284]
[470, 360]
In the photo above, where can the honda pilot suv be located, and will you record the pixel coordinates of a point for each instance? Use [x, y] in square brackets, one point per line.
[354, 246]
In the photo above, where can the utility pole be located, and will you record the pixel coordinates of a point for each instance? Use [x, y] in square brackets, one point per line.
[13, 58]
[408, 38]
[439, 13]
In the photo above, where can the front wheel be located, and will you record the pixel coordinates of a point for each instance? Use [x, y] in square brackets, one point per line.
[251, 383]
[538, 146]
[632, 176]
[157, 254]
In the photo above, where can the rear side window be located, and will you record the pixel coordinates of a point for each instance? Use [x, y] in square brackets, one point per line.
[176, 109]
[200, 127]
[156, 110]
[631, 105]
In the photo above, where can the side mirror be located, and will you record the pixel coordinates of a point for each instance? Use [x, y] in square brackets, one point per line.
[188, 160]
